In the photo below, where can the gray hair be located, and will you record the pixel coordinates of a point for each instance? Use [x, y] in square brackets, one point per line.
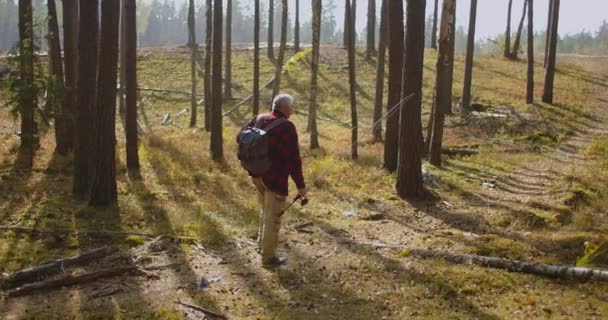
[282, 100]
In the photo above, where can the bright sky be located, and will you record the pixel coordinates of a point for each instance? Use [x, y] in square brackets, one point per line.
[576, 15]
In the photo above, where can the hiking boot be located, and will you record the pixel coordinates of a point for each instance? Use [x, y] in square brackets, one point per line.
[275, 262]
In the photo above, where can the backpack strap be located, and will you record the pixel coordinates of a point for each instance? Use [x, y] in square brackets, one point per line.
[275, 124]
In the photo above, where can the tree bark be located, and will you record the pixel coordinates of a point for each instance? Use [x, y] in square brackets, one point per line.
[345, 34]
[256, 58]
[28, 94]
[409, 174]
[296, 29]
[395, 63]
[70, 47]
[283, 45]
[208, 54]
[550, 72]
[468, 69]
[434, 29]
[371, 29]
[380, 65]
[548, 33]
[270, 36]
[55, 94]
[217, 148]
[507, 53]
[451, 60]
[516, 45]
[193, 54]
[228, 75]
[87, 93]
[443, 81]
[316, 37]
[530, 86]
[352, 80]
[103, 187]
[129, 11]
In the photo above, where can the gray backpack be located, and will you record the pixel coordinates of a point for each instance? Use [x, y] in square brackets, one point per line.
[253, 146]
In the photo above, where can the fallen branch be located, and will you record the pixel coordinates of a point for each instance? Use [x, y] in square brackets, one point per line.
[94, 232]
[547, 270]
[247, 99]
[203, 310]
[69, 280]
[35, 273]
[167, 91]
[344, 124]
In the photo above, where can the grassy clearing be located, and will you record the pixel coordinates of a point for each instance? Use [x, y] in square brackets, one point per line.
[507, 200]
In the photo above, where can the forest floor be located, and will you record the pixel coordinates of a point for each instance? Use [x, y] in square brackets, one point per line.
[521, 182]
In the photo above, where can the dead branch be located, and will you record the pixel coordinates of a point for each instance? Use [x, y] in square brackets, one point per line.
[247, 99]
[167, 91]
[203, 310]
[344, 124]
[35, 273]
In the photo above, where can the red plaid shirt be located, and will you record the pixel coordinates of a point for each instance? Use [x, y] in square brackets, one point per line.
[284, 153]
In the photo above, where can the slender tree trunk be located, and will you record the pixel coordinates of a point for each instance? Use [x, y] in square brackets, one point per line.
[409, 174]
[55, 95]
[103, 187]
[217, 148]
[468, 69]
[507, 52]
[434, 29]
[530, 87]
[208, 54]
[122, 60]
[296, 29]
[548, 33]
[442, 101]
[380, 64]
[87, 93]
[352, 80]
[228, 76]
[550, 73]
[70, 47]
[193, 55]
[395, 63]
[256, 58]
[371, 29]
[129, 11]
[28, 94]
[316, 39]
[450, 95]
[270, 29]
[516, 45]
[345, 35]
[281, 59]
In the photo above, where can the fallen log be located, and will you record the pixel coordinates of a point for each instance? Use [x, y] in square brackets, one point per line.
[167, 91]
[69, 280]
[344, 124]
[247, 98]
[203, 310]
[541, 269]
[32, 274]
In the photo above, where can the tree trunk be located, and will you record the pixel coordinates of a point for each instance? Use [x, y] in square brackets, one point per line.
[103, 187]
[434, 28]
[256, 58]
[129, 11]
[55, 94]
[516, 45]
[451, 67]
[507, 52]
[316, 39]
[87, 93]
[371, 29]
[28, 94]
[548, 33]
[193, 54]
[70, 47]
[443, 81]
[468, 69]
[395, 63]
[550, 72]
[281, 58]
[296, 29]
[208, 54]
[345, 34]
[380, 64]
[217, 148]
[122, 61]
[530, 87]
[270, 29]
[352, 80]
[409, 175]
[228, 76]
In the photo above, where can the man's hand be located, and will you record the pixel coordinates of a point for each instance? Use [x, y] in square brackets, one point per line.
[302, 193]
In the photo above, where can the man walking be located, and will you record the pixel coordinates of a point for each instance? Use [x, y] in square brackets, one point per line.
[272, 186]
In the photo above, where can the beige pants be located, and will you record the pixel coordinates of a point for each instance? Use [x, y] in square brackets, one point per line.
[272, 204]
